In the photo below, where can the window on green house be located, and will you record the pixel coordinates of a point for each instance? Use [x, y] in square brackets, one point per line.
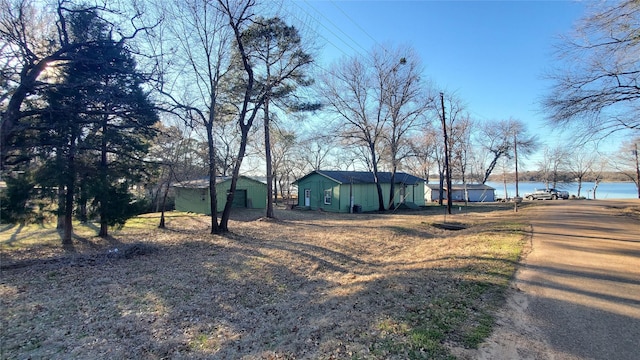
[327, 197]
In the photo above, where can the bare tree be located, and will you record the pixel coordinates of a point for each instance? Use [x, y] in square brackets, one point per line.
[558, 158]
[227, 141]
[460, 135]
[316, 152]
[597, 88]
[283, 144]
[552, 161]
[450, 111]
[498, 138]
[424, 151]
[175, 155]
[194, 53]
[579, 164]
[405, 99]
[599, 168]
[379, 106]
[628, 161]
[351, 94]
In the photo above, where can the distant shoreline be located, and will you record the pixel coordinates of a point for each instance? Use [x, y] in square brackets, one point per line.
[605, 189]
[562, 177]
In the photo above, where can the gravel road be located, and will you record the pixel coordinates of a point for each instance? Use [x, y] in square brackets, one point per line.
[577, 293]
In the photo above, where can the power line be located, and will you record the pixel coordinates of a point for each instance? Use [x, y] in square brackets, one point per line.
[333, 29]
[339, 28]
[303, 22]
[353, 21]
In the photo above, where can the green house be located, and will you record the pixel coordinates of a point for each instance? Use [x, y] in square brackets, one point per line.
[333, 190]
[193, 195]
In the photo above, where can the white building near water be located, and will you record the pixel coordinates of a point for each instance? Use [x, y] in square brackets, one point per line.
[474, 192]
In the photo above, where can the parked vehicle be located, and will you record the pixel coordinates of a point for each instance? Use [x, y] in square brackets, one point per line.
[547, 194]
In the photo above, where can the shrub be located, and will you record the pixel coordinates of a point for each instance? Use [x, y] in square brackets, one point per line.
[14, 201]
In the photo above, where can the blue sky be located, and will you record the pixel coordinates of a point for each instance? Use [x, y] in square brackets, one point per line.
[492, 54]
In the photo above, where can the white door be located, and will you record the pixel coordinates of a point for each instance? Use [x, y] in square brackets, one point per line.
[307, 197]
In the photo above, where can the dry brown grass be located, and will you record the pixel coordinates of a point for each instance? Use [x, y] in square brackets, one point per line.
[309, 285]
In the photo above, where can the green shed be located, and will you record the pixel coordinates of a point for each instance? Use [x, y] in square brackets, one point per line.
[193, 195]
[332, 190]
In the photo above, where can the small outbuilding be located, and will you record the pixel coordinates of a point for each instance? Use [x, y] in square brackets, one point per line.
[337, 191]
[193, 195]
[474, 192]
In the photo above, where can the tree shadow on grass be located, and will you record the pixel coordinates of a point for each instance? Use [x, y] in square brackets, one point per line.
[256, 298]
[14, 236]
[249, 297]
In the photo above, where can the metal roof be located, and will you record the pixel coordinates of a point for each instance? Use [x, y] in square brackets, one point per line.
[365, 177]
[203, 183]
[462, 187]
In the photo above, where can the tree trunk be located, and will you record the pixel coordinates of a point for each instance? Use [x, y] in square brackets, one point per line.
[441, 192]
[374, 164]
[379, 189]
[104, 227]
[244, 123]
[267, 152]
[11, 115]
[392, 187]
[490, 168]
[164, 203]
[579, 186]
[281, 182]
[226, 213]
[275, 188]
[447, 166]
[213, 195]
[82, 203]
[394, 168]
[156, 197]
[70, 186]
[68, 217]
[61, 203]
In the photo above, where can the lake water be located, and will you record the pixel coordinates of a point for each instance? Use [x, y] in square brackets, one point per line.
[606, 190]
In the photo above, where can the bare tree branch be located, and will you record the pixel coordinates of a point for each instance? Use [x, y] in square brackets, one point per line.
[597, 90]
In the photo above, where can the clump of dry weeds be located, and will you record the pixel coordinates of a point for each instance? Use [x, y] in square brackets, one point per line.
[308, 286]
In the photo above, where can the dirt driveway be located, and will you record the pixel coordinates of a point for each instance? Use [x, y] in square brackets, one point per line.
[577, 295]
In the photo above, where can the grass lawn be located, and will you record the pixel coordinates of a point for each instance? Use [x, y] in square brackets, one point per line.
[310, 285]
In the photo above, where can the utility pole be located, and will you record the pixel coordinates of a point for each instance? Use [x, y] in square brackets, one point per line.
[446, 155]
